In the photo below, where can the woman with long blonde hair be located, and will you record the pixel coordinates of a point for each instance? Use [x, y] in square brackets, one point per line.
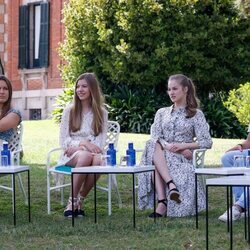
[82, 136]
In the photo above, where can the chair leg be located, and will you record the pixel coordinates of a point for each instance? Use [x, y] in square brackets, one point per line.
[48, 194]
[114, 181]
[22, 188]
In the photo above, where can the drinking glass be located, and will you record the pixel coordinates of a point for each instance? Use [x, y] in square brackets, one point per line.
[239, 161]
[4, 160]
[124, 159]
[105, 160]
[248, 161]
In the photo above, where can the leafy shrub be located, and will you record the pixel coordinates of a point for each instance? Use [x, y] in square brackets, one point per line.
[134, 108]
[223, 123]
[61, 102]
[238, 102]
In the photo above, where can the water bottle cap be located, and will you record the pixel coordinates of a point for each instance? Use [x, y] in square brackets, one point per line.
[111, 145]
[130, 145]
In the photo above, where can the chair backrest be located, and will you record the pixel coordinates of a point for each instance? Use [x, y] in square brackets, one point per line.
[112, 134]
[15, 143]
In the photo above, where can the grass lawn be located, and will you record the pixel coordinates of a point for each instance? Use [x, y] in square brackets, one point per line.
[111, 232]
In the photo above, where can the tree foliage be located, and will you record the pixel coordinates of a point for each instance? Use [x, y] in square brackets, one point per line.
[142, 42]
[238, 102]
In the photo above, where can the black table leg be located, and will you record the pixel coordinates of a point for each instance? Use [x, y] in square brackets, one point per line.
[95, 195]
[154, 198]
[248, 214]
[245, 206]
[231, 219]
[206, 217]
[134, 200]
[72, 198]
[14, 197]
[196, 202]
[29, 195]
[227, 210]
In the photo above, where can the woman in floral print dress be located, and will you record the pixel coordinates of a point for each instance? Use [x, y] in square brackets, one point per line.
[177, 130]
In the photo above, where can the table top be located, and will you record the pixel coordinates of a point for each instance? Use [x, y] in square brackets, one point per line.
[13, 169]
[229, 180]
[222, 170]
[113, 169]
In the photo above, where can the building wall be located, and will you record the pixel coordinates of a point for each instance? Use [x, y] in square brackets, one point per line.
[33, 88]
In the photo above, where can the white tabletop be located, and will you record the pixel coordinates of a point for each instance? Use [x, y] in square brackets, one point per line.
[222, 170]
[13, 169]
[113, 169]
[229, 180]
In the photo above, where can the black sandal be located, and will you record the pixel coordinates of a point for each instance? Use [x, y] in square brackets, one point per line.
[157, 215]
[173, 193]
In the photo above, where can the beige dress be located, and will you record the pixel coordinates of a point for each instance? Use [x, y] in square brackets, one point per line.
[69, 138]
[172, 126]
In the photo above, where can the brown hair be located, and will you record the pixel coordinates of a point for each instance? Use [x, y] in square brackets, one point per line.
[192, 99]
[97, 102]
[7, 104]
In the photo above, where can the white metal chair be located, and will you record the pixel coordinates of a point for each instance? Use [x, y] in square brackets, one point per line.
[15, 146]
[112, 136]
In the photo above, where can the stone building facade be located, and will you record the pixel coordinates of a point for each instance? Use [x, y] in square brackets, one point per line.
[30, 31]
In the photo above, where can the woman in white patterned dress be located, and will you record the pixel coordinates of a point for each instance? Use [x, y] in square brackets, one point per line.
[177, 130]
[83, 132]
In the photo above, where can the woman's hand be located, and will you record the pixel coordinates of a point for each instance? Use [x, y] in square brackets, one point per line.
[71, 150]
[175, 147]
[187, 153]
[91, 147]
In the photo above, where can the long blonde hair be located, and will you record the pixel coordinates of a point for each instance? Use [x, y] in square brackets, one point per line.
[7, 104]
[97, 105]
[191, 99]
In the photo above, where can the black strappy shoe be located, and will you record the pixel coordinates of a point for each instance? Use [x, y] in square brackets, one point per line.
[157, 215]
[173, 193]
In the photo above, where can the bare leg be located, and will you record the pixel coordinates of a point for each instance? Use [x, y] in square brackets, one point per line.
[89, 181]
[161, 165]
[160, 187]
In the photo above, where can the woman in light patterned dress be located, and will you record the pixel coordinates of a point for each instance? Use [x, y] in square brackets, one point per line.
[83, 132]
[177, 130]
[9, 117]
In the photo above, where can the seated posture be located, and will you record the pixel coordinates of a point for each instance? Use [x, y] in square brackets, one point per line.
[228, 161]
[82, 136]
[177, 130]
[9, 117]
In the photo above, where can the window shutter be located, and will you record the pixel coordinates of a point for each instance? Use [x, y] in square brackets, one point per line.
[23, 37]
[44, 36]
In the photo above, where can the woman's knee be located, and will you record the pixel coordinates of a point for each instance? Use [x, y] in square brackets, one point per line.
[84, 158]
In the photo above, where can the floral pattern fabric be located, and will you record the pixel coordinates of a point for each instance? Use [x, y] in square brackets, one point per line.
[6, 135]
[69, 139]
[172, 126]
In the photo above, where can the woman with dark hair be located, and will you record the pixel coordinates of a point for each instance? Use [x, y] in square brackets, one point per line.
[9, 117]
[82, 136]
[177, 130]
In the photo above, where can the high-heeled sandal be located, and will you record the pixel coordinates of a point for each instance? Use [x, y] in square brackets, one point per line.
[80, 212]
[157, 215]
[68, 210]
[173, 193]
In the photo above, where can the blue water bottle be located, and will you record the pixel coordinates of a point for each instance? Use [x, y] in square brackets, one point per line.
[5, 155]
[130, 155]
[111, 161]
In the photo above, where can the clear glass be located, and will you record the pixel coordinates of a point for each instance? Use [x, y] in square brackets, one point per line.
[124, 159]
[4, 160]
[248, 161]
[105, 160]
[239, 161]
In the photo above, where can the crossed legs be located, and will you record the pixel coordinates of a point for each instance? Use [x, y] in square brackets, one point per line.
[162, 178]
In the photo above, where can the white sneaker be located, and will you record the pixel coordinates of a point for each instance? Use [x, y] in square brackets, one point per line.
[236, 215]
